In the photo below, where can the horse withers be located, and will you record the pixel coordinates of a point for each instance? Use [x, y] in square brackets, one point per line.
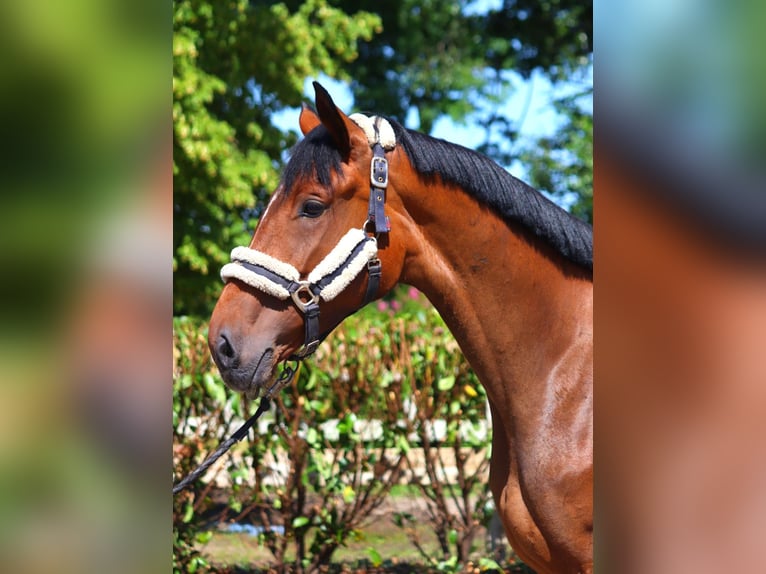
[365, 204]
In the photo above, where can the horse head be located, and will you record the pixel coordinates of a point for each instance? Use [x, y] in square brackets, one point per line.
[320, 252]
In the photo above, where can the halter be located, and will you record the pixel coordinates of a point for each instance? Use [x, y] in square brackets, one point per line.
[356, 250]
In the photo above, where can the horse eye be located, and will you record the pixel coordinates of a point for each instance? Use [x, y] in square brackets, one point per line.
[312, 208]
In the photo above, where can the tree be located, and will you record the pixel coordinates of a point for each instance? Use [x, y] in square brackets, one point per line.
[235, 64]
[440, 57]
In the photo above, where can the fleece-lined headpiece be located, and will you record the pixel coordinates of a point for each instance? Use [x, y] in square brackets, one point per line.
[377, 130]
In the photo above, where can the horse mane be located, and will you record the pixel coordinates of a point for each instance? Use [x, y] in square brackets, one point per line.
[472, 171]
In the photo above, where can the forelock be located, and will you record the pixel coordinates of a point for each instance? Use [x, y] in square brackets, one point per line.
[314, 157]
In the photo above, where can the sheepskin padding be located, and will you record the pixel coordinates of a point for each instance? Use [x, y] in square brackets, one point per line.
[236, 271]
[272, 264]
[329, 265]
[384, 135]
[338, 256]
[247, 255]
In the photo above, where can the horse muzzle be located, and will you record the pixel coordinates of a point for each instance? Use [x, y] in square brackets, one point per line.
[242, 371]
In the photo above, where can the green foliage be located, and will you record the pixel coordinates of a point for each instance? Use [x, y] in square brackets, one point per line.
[235, 64]
[186, 558]
[191, 398]
[440, 58]
[552, 36]
[450, 425]
[429, 54]
[81, 89]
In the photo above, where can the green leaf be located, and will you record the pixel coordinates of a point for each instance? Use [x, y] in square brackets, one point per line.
[300, 521]
[312, 437]
[489, 564]
[315, 405]
[236, 403]
[446, 383]
[452, 536]
[204, 537]
[311, 383]
[188, 512]
[375, 557]
[214, 389]
[185, 381]
[403, 444]
[447, 565]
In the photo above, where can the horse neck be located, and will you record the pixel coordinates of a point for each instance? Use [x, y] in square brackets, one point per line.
[514, 306]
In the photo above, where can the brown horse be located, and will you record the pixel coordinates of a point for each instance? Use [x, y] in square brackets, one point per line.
[509, 271]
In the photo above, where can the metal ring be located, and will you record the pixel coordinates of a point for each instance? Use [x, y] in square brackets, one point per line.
[371, 234]
[304, 286]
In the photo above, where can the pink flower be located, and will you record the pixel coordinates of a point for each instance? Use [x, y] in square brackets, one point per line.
[395, 305]
[382, 305]
[413, 293]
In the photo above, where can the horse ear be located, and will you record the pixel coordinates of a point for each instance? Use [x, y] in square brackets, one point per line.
[308, 119]
[344, 132]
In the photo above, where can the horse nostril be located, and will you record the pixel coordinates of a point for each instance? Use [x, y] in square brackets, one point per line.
[225, 354]
[225, 348]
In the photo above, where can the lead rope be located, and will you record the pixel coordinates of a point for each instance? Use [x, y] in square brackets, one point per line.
[285, 377]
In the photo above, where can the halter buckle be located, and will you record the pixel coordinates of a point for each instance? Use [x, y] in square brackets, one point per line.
[309, 348]
[304, 287]
[379, 172]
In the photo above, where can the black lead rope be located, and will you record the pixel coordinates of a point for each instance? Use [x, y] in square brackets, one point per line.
[284, 379]
[226, 445]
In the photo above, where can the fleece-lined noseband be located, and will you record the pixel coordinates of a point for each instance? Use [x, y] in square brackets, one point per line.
[356, 250]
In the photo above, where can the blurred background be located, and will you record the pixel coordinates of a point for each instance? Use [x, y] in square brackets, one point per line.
[85, 301]
[680, 286]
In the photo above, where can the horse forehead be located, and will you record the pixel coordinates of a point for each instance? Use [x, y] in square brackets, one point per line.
[346, 173]
[273, 206]
[268, 225]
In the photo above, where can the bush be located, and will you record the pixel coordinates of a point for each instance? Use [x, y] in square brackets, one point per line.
[340, 437]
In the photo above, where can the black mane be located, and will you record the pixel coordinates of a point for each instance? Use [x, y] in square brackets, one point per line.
[475, 173]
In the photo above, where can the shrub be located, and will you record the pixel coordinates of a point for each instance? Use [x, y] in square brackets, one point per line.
[341, 436]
